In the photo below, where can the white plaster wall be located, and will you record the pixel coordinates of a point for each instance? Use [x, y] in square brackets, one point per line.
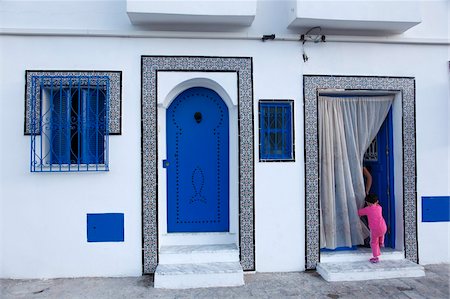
[110, 17]
[40, 213]
[279, 187]
[44, 214]
[43, 223]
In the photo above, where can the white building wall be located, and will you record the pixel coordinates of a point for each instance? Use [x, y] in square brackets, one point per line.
[43, 215]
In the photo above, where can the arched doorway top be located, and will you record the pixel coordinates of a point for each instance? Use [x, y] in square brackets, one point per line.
[166, 99]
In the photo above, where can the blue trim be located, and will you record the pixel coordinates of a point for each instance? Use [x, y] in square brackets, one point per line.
[391, 178]
[108, 227]
[435, 208]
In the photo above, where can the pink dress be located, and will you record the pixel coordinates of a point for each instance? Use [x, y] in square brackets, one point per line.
[377, 226]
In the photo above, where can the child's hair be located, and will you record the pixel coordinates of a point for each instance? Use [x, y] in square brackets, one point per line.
[371, 198]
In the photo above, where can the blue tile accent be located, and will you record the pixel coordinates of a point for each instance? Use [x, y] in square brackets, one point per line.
[435, 208]
[106, 227]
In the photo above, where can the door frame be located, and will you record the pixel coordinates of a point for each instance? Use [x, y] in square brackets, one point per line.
[243, 67]
[404, 125]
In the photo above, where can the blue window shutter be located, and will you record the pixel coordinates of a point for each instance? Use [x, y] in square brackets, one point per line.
[276, 141]
[69, 123]
[288, 127]
[60, 126]
[93, 127]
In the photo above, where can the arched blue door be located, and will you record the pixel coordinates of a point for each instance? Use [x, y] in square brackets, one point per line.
[197, 162]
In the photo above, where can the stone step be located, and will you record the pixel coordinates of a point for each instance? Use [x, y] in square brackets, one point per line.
[173, 239]
[362, 254]
[204, 275]
[364, 270]
[194, 254]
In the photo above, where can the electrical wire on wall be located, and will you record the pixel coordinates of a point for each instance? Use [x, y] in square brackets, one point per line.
[310, 37]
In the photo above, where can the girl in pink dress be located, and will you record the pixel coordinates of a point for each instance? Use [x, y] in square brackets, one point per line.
[377, 225]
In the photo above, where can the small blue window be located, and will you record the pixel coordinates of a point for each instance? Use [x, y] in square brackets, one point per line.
[70, 133]
[275, 130]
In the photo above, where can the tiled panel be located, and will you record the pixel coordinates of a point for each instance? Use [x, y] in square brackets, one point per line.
[243, 67]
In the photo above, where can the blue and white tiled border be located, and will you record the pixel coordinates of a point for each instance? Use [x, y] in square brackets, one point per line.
[406, 86]
[243, 67]
[115, 95]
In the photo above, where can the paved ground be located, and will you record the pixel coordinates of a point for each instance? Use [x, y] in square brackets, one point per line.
[259, 285]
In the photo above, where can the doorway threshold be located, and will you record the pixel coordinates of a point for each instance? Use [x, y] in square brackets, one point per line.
[360, 254]
[175, 239]
[354, 265]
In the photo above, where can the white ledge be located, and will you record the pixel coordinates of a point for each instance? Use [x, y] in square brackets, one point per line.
[190, 14]
[355, 17]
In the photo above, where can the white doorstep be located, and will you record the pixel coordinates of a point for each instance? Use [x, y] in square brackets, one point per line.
[192, 254]
[364, 270]
[361, 254]
[183, 276]
[174, 239]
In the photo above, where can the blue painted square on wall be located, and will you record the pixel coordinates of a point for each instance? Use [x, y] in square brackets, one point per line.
[106, 227]
[435, 208]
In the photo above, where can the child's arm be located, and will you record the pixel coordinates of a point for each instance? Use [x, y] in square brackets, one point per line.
[368, 176]
[363, 212]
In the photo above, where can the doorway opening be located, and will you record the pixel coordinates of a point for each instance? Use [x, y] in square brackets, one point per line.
[379, 161]
[197, 145]
[197, 162]
[353, 128]
[402, 170]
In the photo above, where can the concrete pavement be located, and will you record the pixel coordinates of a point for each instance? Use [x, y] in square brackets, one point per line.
[259, 285]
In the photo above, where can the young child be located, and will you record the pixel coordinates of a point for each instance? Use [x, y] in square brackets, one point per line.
[377, 225]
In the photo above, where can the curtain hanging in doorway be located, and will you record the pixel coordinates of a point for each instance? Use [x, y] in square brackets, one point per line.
[347, 125]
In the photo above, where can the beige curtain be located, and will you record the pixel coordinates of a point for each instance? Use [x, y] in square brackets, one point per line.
[347, 125]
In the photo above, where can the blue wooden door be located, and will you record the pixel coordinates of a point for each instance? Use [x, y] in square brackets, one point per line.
[197, 162]
[379, 161]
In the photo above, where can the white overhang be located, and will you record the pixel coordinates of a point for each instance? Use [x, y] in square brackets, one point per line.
[366, 17]
[183, 14]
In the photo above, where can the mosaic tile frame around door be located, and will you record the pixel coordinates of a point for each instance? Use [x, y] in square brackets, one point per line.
[406, 86]
[243, 66]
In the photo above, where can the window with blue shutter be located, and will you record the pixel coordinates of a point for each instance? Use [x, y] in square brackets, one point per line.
[70, 132]
[275, 130]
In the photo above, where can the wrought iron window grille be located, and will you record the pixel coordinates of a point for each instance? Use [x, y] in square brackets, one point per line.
[371, 154]
[276, 130]
[69, 132]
